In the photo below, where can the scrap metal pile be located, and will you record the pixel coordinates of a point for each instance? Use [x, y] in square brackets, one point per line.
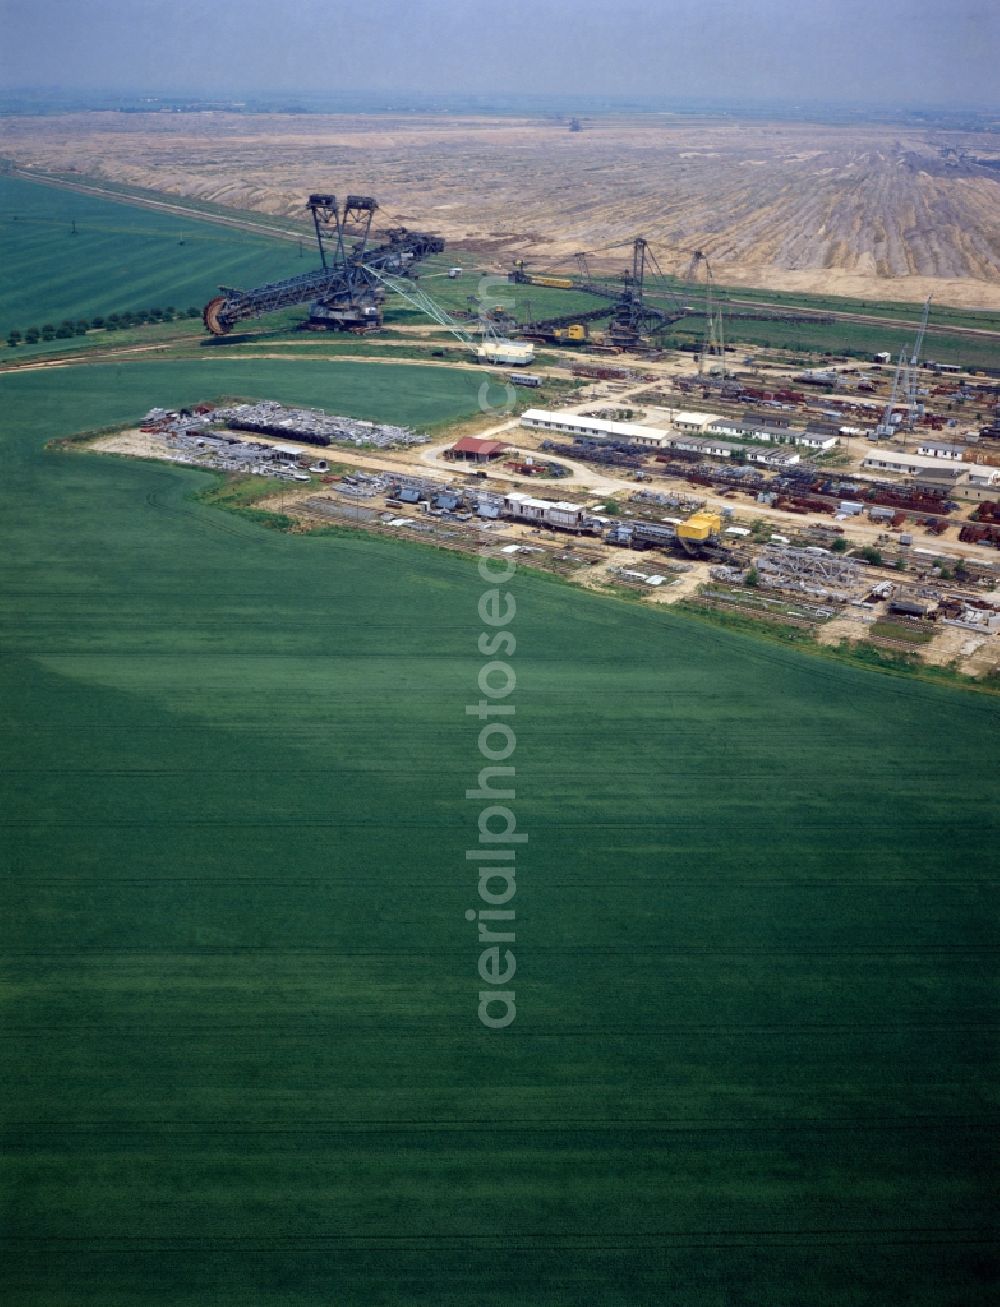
[815, 572]
[608, 453]
[313, 426]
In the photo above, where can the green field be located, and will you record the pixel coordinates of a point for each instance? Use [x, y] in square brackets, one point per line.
[129, 195]
[753, 1056]
[842, 337]
[524, 303]
[941, 314]
[122, 257]
[126, 258]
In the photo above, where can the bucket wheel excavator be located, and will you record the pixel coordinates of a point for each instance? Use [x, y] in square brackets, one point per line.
[345, 292]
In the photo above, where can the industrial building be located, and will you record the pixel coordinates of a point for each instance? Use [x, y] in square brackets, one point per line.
[710, 446]
[472, 450]
[818, 440]
[776, 431]
[942, 480]
[696, 433]
[577, 425]
[941, 449]
[588, 428]
[981, 475]
[891, 460]
[773, 457]
[699, 422]
[751, 426]
[545, 512]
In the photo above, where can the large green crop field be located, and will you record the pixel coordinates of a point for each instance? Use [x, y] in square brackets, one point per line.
[122, 258]
[754, 1049]
[242, 1061]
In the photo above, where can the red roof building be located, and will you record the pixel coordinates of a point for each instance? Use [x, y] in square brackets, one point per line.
[477, 451]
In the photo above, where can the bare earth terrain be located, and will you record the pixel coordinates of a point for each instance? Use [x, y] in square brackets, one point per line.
[861, 210]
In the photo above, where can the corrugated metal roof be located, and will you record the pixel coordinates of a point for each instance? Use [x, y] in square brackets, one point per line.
[472, 445]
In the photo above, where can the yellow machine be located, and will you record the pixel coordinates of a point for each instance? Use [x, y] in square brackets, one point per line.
[537, 279]
[576, 331]
[559, 283]
[700, 526]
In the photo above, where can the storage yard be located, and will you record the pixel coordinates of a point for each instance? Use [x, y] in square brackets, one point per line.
[850, 540]
[853, 449]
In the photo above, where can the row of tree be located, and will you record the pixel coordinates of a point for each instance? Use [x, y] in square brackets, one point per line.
[113, 322]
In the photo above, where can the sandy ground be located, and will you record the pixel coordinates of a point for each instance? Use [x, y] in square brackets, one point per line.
[876, 210]
[136, 443]
[974, 654]
[850, 626]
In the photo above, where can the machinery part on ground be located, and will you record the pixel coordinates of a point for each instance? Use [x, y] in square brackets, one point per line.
[887, 429]
[210, 316]
[570, 327]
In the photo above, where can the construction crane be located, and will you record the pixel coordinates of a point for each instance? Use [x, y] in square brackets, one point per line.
[713, 344]
[914, 409]
[341, 294]
[887, 429]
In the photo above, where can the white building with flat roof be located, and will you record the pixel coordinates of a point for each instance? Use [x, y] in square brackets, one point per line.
[710, 446]
[821, 441]
[686, 421]
[773, 457]
[915, 465]
[550, 512]
[753, 428]
[893, 460]
[577, 425]
[941, 449]
[982, 475]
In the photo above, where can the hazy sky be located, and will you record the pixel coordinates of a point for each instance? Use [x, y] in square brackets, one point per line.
[899, 52]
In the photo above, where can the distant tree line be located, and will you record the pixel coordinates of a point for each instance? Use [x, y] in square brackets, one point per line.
[113, 322]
